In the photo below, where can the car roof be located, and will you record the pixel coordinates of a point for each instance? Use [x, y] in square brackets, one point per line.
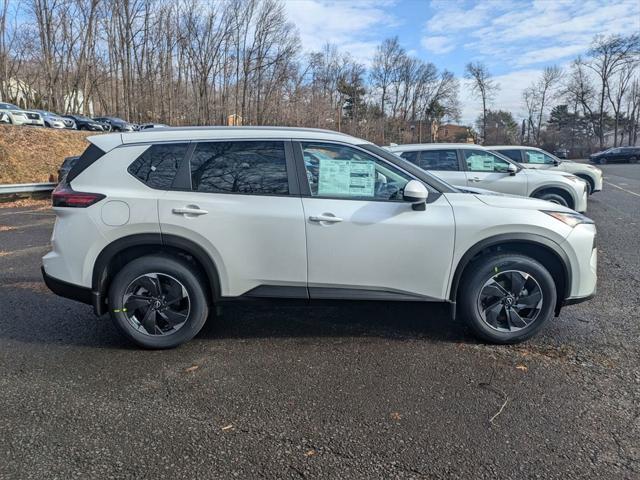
[431, 146]
[512, 147]
[177, 134]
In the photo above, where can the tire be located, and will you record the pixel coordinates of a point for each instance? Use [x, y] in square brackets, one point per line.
[494, 327]
[553, 198]
[603, 161]
[633, 160]
[166, 324]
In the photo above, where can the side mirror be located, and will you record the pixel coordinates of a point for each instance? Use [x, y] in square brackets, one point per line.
[512, 169]
[415, 193]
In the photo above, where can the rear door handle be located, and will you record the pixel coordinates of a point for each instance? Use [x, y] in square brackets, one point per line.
[329, 218]
[190, 210]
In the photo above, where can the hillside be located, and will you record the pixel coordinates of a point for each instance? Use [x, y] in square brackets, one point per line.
[33, 154]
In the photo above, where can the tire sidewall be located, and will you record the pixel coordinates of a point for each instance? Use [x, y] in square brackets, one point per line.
[554, 198]
[482, 272]
[199, 309]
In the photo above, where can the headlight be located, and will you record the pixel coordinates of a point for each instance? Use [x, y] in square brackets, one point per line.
[572, 219]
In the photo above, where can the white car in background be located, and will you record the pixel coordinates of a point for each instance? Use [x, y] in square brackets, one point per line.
[10, 113]
[536, 158]
[467, 165]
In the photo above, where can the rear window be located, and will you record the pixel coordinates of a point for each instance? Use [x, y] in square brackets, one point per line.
[89, 156]
[442, 160]
[158, 165]
[257, 168]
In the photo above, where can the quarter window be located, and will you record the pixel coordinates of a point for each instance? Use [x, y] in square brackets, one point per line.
[257, 168]
[158, 165]
[344, 172]
[483, 161]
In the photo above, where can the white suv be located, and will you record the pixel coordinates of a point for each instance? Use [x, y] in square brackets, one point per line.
[536, 158]
[159, 227]
[467, 165]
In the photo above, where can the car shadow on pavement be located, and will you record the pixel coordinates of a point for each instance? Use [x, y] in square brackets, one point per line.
[32, 314]
[391, 320]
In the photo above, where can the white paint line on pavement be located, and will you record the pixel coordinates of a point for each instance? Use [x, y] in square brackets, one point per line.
[623, 189]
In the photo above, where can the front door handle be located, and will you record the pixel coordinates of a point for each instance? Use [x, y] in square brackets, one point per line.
[190, 210]
[325, 217]
[474, 179]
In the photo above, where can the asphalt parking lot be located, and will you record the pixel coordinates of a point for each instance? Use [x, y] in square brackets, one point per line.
[358, 391]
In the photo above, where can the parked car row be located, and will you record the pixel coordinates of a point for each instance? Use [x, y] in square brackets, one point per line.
[472, 166]
[15, 115]
[161, 228]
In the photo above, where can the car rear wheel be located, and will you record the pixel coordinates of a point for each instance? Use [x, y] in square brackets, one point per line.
[158, 302]
[506, 298]
[553, 198]
[633, 160]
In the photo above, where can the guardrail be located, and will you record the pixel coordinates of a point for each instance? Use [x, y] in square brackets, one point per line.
[26, 188]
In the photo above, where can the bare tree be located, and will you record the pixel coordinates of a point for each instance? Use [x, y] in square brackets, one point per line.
[483, 86]
[607, 56]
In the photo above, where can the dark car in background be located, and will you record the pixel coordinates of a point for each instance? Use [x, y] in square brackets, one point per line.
[86, 123]
[117, 124]
[617, 154]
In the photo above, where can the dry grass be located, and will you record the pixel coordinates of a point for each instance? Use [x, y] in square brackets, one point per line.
[34, 203]
[33, 154]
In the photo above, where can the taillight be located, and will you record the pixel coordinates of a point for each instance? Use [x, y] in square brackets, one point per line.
[65, 196]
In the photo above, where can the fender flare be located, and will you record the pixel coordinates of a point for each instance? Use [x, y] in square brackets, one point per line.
[99, 274]
[558, 187]
[510, 238]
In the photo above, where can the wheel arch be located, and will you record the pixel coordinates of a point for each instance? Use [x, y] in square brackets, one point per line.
[559, 190]
[587, 178]
[115, 255]
[538, 247]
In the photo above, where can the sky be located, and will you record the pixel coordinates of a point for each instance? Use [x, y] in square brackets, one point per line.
[516, 39]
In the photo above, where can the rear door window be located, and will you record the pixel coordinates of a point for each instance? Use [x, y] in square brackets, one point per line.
[512, 154]
[158, 165]
[439, 160]
[253, 167]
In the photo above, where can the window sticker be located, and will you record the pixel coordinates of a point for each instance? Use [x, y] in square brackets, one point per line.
[480, 163]
[346, 177]
[536, 157]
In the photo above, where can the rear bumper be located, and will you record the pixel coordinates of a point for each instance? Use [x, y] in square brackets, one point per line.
[67, 290]
[75, 292]
[576, 300]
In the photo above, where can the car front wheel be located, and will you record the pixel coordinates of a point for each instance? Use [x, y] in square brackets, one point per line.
[158, 301]
[553, 198]
[506, 298]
